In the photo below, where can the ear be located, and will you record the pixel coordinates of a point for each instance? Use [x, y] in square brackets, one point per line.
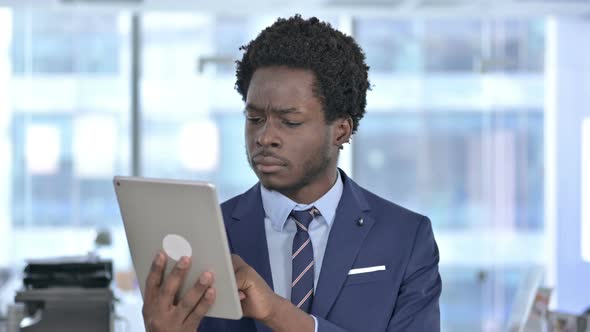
[342, 131]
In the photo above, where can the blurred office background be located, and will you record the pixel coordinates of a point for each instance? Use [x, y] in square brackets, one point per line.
[479, 117]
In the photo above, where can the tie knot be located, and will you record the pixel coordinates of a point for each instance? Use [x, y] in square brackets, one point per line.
[304, 218]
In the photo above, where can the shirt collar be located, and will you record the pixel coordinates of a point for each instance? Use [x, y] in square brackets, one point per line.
[278, 206]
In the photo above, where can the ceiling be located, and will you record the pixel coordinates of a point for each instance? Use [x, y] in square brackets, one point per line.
[346, 7]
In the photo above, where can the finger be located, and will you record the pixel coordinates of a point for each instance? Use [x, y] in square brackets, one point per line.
[193, 296]
[154, 278]
[202, 308]
[173, 281]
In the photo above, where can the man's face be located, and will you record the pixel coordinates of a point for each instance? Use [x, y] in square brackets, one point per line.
[288, 143]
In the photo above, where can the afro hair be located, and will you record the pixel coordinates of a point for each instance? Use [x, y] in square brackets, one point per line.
[338, 63]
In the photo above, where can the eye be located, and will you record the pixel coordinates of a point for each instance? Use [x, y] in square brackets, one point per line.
[254, 119]
[291, 124]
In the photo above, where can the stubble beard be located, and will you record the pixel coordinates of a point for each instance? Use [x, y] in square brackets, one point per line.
[313, 168]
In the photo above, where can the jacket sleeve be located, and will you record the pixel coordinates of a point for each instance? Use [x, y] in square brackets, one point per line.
[326, 326]
[417, 305]
[209, 324]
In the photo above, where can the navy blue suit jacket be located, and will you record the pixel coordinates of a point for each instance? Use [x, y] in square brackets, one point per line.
[404, 297]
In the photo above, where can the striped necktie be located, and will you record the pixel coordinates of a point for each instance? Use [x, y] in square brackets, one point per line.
[302, 260]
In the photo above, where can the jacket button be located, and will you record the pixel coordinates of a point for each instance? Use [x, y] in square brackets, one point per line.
[360, 222]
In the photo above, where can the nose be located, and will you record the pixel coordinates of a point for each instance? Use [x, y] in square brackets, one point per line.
[268, 136]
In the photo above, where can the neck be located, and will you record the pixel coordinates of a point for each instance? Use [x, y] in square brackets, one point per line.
[317, 188]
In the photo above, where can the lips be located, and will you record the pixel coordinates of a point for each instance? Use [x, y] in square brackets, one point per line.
[268, 164]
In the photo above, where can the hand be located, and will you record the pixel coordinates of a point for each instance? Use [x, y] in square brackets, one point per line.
[261, 303]
[258, 299]
[160, 310]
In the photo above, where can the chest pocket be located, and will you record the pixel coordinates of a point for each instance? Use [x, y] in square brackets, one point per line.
[367, 277]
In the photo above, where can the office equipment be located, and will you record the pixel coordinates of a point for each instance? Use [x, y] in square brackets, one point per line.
[567, 322]
[66, 309]
[67, 294]
[79, 271]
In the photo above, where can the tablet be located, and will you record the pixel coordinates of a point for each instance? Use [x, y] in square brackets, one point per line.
[181, 218]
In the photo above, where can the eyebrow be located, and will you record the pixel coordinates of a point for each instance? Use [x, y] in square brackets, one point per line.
[275, 110]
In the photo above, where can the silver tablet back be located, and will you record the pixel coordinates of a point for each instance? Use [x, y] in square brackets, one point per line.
[183, 219]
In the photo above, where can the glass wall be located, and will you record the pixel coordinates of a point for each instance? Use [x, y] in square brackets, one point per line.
[454, 130]
[191, 115]
[69, 116]
[192, 118]
[66, 124]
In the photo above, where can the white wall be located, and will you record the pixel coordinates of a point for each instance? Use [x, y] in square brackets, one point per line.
[568, 103]
[5, 153]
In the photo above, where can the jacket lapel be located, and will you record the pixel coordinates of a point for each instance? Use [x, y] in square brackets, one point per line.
[248, 236]
[344, 242]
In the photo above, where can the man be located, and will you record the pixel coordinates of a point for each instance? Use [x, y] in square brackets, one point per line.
[313, 250]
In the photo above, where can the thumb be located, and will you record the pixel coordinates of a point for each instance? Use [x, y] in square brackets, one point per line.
[241, 272]
[237, 262]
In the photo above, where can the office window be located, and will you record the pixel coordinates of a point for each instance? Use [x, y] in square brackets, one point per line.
[67, 122]
[62, 42]
[453, 165]
[452, 45]
[391, 46]
[518, 46]
[454, 130]
[192, 120]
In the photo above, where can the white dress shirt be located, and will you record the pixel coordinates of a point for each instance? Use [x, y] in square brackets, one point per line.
[280, 230]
